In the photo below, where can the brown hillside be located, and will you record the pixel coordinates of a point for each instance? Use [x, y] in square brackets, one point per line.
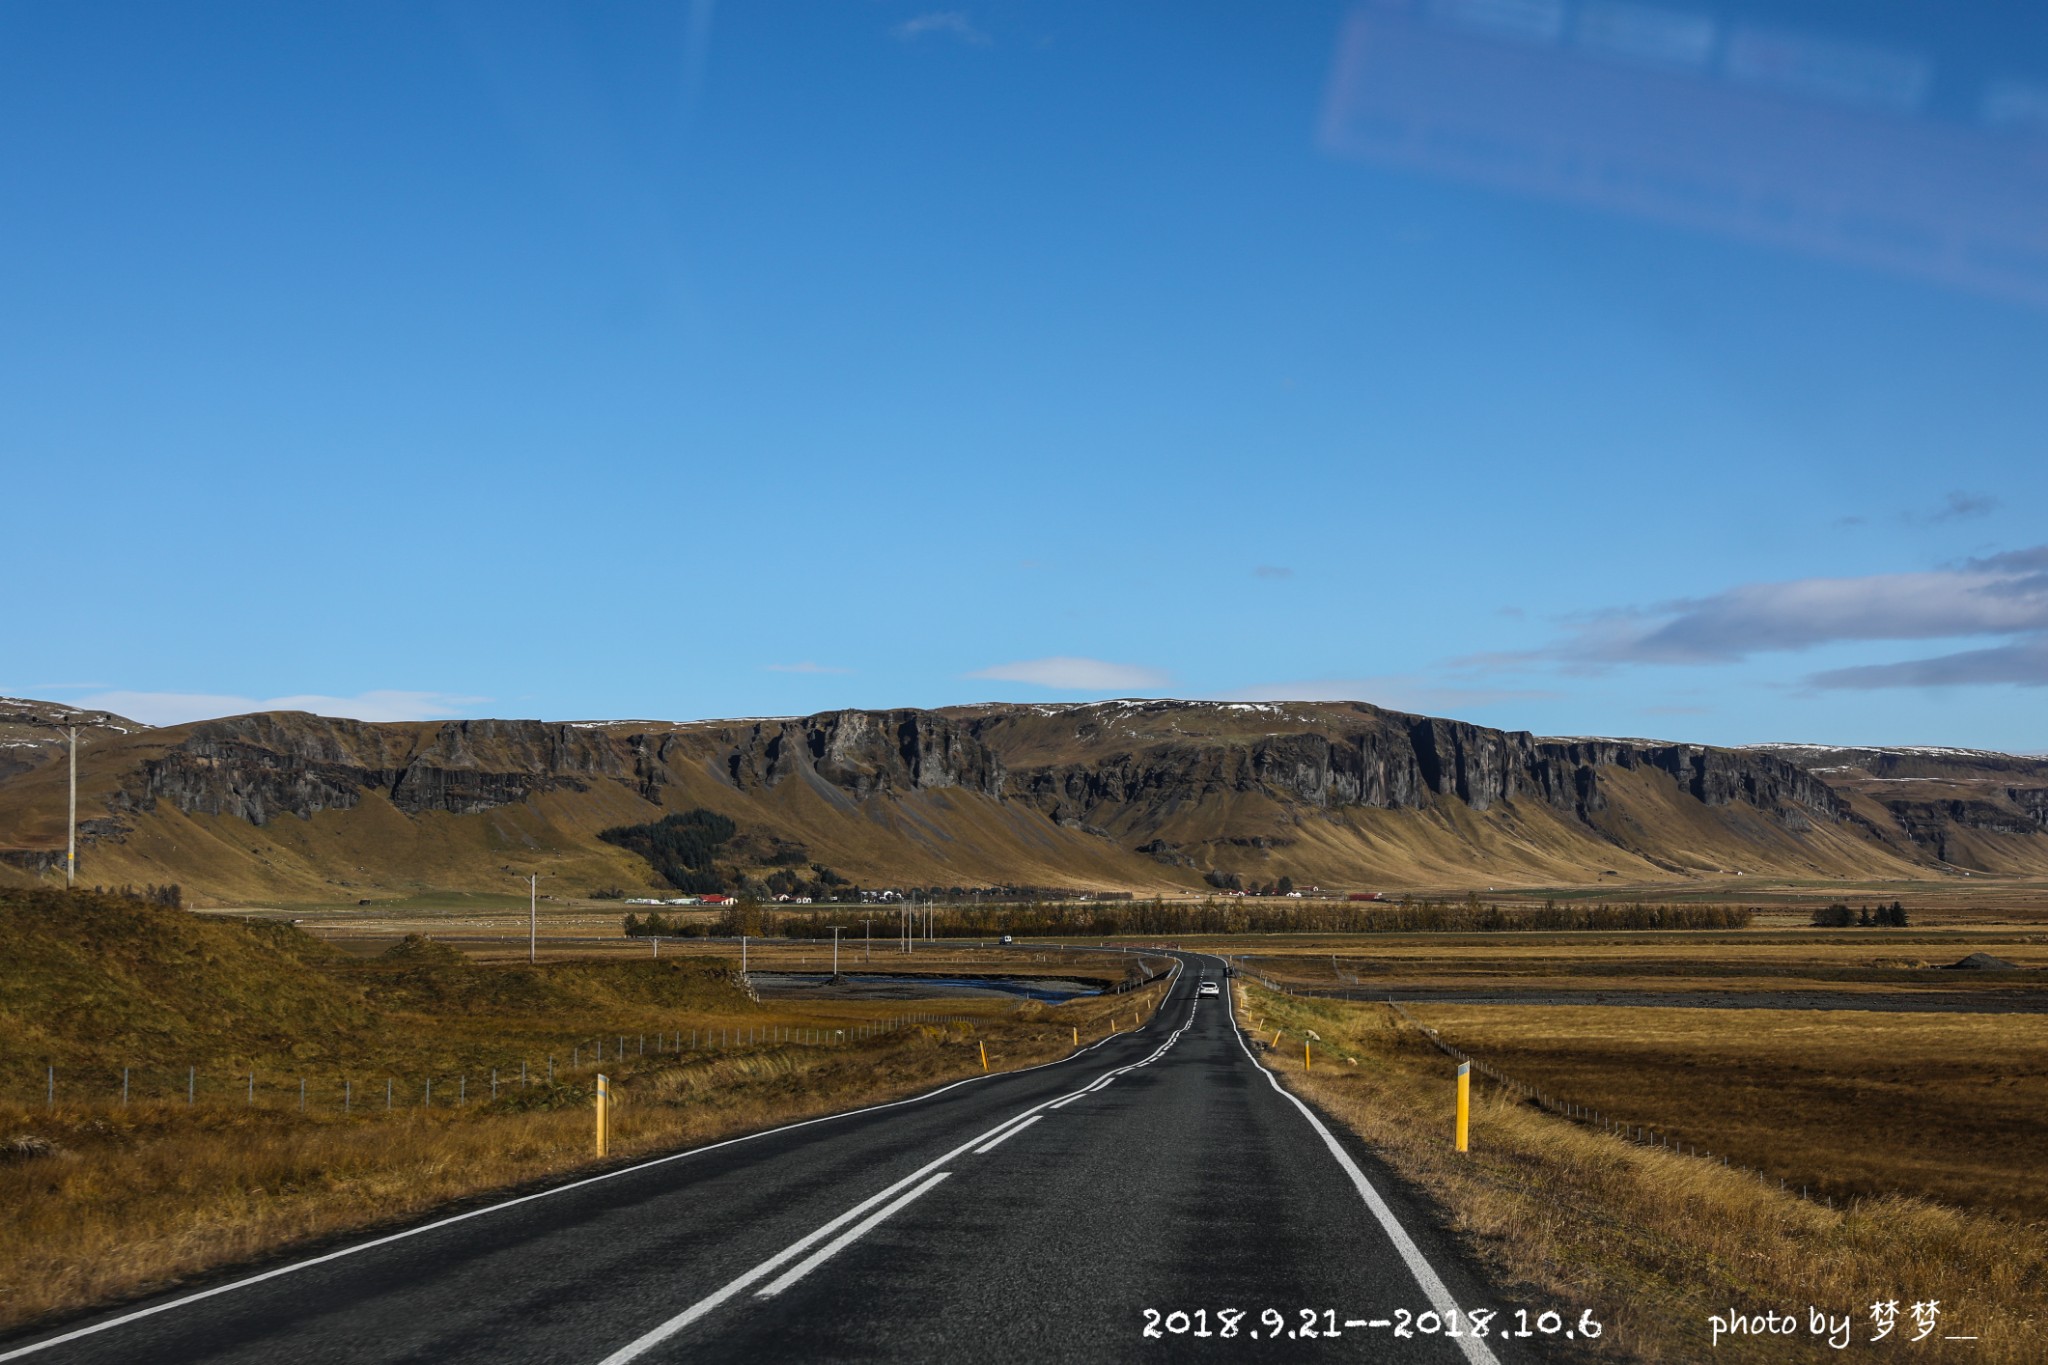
[1146, 796]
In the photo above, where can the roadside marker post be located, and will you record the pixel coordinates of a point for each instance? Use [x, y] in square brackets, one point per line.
[1464, 1104]
[984, 1056]
[604, 1097]
[1305, 1065]
[1077, 1035]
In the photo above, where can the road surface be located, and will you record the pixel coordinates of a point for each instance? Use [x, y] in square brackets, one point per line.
[1065, 1213]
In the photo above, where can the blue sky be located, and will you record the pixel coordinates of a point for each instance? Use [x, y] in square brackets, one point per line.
[1567, 365]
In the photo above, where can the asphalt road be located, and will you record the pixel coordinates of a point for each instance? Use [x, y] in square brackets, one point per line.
[1055, 1214]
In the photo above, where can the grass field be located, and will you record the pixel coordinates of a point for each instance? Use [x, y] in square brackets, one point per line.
[1849, 1104]
[1854, 960]
[1929, 1111]
[108, 1199]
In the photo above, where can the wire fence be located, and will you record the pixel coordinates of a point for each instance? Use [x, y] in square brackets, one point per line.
[352, 1090]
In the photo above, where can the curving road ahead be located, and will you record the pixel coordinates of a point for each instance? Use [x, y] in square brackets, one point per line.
[1065, 1213]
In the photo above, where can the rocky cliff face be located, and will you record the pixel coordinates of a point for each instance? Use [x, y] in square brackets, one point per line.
[1392, 762]
[1157, 781]
[865, 753]
[2032, 800]
[258, 768]
[1713, 777]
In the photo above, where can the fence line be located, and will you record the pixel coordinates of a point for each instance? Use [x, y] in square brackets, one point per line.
[281, 1088]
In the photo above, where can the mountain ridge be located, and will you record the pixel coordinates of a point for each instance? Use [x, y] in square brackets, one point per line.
[1145, 795]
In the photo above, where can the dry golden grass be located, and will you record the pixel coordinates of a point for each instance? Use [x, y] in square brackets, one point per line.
[132, 1200]
[1855, 960]
[1652, 1241]
[1849, 1103]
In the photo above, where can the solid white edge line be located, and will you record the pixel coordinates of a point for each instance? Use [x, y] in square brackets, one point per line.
[996, 1142]
[137, 1315]
[661, 1332]
[848, 1237]
[1433, 1287]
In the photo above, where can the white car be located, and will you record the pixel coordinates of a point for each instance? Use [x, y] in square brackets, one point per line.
[1208, 988]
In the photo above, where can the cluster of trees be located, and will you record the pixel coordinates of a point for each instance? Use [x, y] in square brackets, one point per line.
[170, 896]
[1840, 916]
[743, 916]
[1098, 919]
[1231, 881]
[1022, 895]
[681, 848]
[822, 885]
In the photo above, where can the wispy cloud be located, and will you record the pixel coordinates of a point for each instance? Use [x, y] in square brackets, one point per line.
[805, 667]
[1272, 571]
[1957, 506]
[174, 708]
[1066, 674]
[2023, 663]
[950, 23]
[2003, 595]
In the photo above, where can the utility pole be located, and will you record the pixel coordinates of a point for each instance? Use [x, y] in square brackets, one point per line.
[532, 915]
[71, 829]
[868, 954]
[835, 928]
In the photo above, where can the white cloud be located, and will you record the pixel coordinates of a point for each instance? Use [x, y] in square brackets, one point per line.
[2004, 594]
[1077, 675]
[2023, 663]
[2001, 595]
[951, 23]
[175, 708]
[805, 667]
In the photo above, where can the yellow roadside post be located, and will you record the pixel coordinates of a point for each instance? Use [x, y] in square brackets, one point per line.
[604, 1098]
[1276, 1038]
[1304, 1056]
[1077, 1034]
[984, 1056]
[1464, 1103]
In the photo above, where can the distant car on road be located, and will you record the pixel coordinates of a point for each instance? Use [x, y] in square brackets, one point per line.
[1208, 988]
[1007, 940]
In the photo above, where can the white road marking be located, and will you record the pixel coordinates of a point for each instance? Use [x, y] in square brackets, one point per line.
[1013, 1120]
[994, 1143]
[640, 1345]
[853, 1234]
[1432, 1284]
[95, 1328]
